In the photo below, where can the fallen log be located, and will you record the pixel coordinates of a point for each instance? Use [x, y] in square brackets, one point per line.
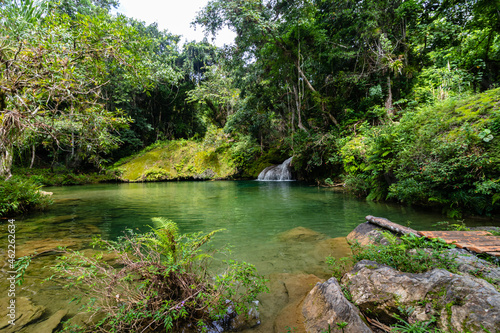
[394, 227]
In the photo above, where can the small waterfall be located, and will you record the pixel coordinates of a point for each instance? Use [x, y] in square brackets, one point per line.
[281, 171]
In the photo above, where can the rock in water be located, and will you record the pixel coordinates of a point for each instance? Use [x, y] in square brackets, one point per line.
[46, 326]
[300, 234]
[325, 306]
[281, 171]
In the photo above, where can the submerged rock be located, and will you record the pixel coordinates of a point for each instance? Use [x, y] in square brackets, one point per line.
[46, 326]
[301, 234]
[461, 302]
[332, 247]
[25, 313]
[45, 245]
[296, 288]
[325, 306]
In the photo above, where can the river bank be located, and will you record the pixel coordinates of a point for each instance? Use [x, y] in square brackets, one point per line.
[429, 299]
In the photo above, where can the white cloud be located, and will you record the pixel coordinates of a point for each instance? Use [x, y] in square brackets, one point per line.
[174, 16]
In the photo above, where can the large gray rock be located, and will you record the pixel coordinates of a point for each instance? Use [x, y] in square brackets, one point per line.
[462, 303]
[366, 234]
[325, 306]
[471, 264]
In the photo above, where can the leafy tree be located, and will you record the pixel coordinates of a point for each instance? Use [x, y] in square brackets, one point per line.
[216, 93]
[51, 87]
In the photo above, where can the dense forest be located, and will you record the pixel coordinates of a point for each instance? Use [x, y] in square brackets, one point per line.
[397, 100]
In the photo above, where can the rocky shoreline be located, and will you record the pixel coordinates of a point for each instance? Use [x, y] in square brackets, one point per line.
[378, 295]
[369, 297]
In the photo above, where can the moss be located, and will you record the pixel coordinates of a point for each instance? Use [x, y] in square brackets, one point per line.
[182, 159]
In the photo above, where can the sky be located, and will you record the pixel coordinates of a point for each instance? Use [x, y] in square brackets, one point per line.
[173, 15]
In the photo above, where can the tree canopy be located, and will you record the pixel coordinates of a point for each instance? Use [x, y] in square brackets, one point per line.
[83, 87]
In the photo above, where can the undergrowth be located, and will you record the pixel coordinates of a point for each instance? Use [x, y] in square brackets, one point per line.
[409, 253]
[163, 283]
[19, 195]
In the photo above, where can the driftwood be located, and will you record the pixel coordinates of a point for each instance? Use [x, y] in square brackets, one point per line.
[394, 227]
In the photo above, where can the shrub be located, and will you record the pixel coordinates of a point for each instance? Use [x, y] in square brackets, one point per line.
[163, 285]
[19, 195]
[443, 155]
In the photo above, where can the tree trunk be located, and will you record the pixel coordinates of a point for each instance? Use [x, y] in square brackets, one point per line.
[5, 162]
[32, 157]
[388, 102]
[298, 107]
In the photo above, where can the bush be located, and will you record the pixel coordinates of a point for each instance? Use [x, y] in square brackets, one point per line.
[444, 155]
[18, 195]
[163, 285]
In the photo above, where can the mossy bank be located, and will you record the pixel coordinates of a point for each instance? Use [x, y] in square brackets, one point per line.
[217, 156]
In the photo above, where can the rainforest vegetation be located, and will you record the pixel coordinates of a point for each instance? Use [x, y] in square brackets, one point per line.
[398, 100]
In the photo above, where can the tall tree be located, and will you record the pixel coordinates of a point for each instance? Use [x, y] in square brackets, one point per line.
[54, 71]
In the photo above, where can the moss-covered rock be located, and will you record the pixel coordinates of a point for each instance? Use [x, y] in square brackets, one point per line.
[182, 159]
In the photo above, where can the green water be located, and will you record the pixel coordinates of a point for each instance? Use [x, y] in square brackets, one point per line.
[252, 213]
[256, 217]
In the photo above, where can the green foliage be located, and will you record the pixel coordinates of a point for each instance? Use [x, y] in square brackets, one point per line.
[404, 326]
[20, 266]
[409, 253]
[63, 176]
[435, 156]
[164, 283]
[18, 195]
[216, 156]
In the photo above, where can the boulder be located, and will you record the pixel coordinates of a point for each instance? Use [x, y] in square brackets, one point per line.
[326, 306]
[25, 313]
[366, 234]
[462, 303]
[471, 264]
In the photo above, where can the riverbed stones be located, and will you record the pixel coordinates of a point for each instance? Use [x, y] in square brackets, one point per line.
[461, 303]
[281, 308]
[25, 313]
[326, 306]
